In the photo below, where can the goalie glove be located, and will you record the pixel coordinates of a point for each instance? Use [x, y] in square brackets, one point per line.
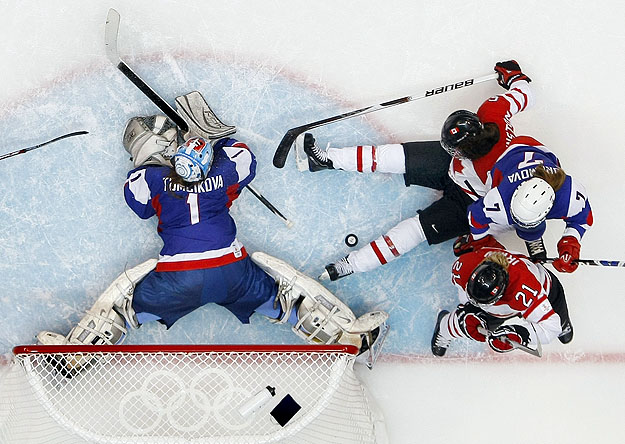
[466, 244]
[500, 339]
[470, 320]
[509, 72]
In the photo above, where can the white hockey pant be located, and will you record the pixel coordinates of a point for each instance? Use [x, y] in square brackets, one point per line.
[369, 159]
[400, 239]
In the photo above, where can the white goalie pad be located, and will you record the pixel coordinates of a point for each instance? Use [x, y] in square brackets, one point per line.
[322, 317]
[201, 119]
[105, 323]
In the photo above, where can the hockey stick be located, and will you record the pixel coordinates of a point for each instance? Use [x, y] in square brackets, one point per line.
[282, 152]
[599, 262]
[25, 150]
[111, 30]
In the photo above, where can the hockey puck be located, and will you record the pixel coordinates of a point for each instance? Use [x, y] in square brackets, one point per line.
[351, 240]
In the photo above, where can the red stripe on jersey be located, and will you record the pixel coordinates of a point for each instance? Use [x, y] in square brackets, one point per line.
[241, 145]
[515, 100]
[378, 253]
[497, 177]
[374, 163]
[476, 224]
[359, 159]
[524, 97]
[532, 307]
[232, 192]
[156, 204]
[201, 263]
[391, 245]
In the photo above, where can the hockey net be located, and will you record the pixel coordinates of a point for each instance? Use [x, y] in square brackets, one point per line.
[183, 394]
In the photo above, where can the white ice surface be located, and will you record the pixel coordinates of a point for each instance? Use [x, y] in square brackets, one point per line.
[267, 66]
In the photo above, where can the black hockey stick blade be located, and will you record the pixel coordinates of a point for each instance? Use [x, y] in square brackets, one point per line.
[110, 41]
[25, 150]
[279, 158]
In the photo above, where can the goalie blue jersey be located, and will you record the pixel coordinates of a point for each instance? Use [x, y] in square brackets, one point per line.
[491, 213]
[194, 220]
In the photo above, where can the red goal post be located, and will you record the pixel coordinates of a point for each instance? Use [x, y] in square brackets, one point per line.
[183, 393]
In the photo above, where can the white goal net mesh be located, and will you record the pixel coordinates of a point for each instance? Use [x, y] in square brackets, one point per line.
[183, 394]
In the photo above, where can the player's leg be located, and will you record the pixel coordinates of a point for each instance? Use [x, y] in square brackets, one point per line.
[363, 158]
[443, 220]
[558, 302]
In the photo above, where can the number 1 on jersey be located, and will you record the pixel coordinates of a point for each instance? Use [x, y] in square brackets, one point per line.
[194, 207]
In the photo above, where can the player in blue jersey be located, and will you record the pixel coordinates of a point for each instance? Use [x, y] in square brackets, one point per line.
[190, 189]
[529, 187]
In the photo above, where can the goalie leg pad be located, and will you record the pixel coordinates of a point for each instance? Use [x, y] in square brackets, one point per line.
[200, 117]
[105, 322]
[322, 317]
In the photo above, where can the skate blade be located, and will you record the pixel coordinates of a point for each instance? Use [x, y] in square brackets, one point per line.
[370, 357]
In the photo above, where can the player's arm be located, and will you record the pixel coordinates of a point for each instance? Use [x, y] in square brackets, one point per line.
[485, 213]
[518, 96]
[138, 194]
[244, 166]
[578, 219]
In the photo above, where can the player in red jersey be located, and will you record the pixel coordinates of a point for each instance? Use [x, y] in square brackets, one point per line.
[458, 165]
[503, 297]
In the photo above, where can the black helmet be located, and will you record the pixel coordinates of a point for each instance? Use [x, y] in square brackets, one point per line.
[457, 127]
[487, 283]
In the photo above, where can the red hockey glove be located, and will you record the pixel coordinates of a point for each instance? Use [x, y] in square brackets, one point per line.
[514, 333]
[469, 319]
[509, 72]
[466, 244]
[568, 249]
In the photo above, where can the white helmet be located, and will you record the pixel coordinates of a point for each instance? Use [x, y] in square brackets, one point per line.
[531, 202]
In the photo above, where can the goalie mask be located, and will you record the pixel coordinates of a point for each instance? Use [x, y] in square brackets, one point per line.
[531, 202]
[150, 140]
[193, 159]
[458, 127]
[487, 283]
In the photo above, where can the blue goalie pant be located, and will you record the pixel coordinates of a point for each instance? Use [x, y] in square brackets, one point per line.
[241, 287]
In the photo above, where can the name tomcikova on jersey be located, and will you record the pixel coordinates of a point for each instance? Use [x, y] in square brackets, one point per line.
[210, 184]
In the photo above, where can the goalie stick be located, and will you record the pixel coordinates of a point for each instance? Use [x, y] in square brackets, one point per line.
[30, 148]
[282, 152]
[111, 30]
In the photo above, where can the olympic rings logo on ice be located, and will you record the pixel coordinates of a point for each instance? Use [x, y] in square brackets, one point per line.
[164, 398]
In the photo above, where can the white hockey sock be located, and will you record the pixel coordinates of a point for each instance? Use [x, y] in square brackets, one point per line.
[400, 239]
[369, 159]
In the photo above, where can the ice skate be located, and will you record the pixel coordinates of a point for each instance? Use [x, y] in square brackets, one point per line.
[439, 343]
[317, 159]
[567, 333]
[337, 270]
